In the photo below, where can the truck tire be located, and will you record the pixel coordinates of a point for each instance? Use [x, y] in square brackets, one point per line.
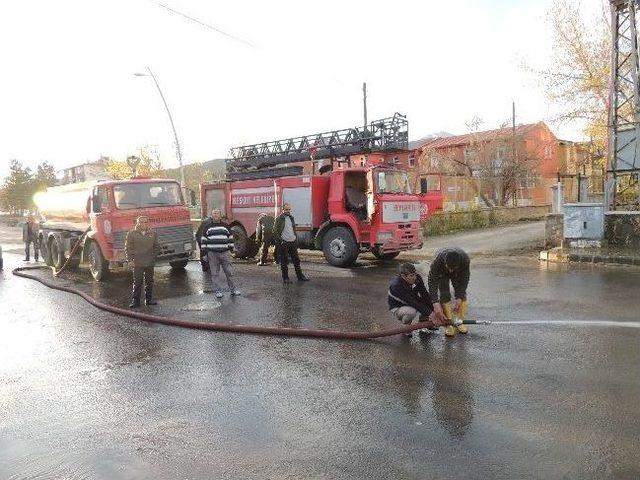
[384, 256]
[98, 266]
[56, 252]
[244, 247]
[179, 265]
[45, 252]
[340, 247]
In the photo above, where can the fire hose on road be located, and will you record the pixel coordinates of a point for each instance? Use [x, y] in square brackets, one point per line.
[220, 327]
[256, 329]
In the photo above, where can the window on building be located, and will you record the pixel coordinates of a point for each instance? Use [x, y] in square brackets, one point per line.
[412, 160]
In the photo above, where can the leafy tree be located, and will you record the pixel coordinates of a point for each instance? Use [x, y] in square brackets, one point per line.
[45, 176]
[17, 190]
[578, 79]
[148, 164]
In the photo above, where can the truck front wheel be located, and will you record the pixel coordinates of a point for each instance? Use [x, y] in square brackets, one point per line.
[340, 247]
[98, 266]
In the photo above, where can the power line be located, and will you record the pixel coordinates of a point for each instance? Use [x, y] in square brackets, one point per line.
[206, 25]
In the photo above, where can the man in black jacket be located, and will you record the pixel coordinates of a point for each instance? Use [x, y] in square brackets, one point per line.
[264, 236]
[30, 236]
[450, 265]
[284, 234]
[409, 300]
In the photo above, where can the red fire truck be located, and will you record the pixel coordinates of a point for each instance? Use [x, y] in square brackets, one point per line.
[341, 209]
[107, 210]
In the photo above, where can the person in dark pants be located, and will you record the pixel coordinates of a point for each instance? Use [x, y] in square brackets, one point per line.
[450, 265]
[409, 300]
[264, 236]
[284, 234]
[141, 249]
[30, 236]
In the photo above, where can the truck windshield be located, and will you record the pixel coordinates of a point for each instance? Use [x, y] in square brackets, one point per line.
[393, 181]
[146, 195]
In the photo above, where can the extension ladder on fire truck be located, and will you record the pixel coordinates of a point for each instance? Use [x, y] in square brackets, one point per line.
[384, 135]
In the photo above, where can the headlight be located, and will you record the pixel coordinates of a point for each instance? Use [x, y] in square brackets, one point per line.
[187, 247]
[107, 227]
[384, 237]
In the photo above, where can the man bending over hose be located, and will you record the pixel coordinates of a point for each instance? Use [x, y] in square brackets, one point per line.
[450, 265]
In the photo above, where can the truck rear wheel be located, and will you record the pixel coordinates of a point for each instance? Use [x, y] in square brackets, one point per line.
[45, 252]
[244, 247]
[98, 266]
[384, 256]
[56, 252]
[340, 247]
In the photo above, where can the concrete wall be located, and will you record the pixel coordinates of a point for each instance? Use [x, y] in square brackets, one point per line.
[450, 221]
[622, 229]
[554, 230]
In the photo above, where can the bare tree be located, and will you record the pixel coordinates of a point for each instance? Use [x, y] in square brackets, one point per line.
[496, 164]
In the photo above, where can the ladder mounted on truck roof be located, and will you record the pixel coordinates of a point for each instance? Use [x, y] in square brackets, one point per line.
[384, 135]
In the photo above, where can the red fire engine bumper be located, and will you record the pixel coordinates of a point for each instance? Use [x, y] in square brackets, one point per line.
[404, 237]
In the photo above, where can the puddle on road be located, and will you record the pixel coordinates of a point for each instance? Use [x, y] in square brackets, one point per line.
[201, 306]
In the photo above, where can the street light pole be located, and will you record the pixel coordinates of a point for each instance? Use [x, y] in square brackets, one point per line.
[173, 127]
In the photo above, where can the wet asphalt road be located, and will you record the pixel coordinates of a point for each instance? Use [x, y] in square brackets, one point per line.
[85, 394]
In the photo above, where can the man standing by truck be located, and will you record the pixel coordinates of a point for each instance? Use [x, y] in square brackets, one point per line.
[284, 233]
[30, 236]
[264, 236]
[217, 241]
[141, 249]
[450, 265]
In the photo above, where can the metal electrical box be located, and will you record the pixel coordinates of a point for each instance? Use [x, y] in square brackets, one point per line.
[584, 221]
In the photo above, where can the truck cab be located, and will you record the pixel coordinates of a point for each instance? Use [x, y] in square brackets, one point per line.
[100, 214]
[370, 209]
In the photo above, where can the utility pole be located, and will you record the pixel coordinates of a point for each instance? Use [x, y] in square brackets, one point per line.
[173, 127]
[515, 169]
[364, 102]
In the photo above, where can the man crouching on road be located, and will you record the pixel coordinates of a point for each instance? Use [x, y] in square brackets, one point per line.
[409, 300]
[141, 248]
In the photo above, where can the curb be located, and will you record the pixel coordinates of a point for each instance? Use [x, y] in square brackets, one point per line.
[557, 255]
